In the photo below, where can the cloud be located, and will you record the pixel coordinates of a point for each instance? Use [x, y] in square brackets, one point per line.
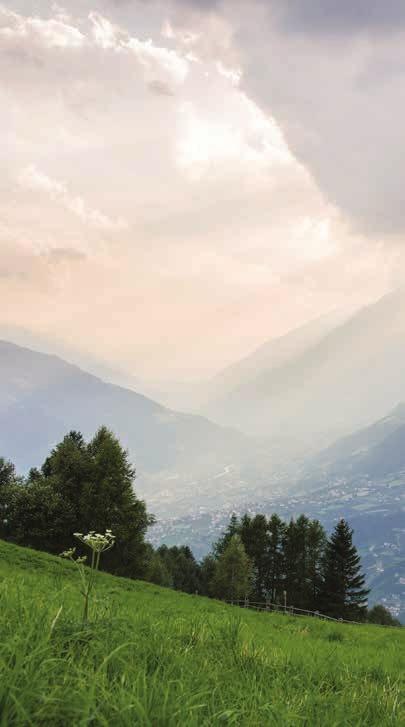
[32, 40]
[164, 176]
[33, 179]
[331, 74]
[65, 254]
[331, 17]
[160, 88]
[52, 33]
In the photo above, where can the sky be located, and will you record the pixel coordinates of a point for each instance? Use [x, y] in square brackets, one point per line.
[182, 181]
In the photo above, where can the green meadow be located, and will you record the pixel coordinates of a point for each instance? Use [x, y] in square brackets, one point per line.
[154, 657]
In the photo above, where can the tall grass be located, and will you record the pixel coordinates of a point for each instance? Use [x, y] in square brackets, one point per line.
[157, 658]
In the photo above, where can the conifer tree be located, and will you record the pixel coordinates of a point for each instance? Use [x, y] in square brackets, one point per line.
[232, 528]
[316, 543]
[8, 493]
[233, 572]
[274, 580]
[292, 560]
[255, 538]
[343, 594]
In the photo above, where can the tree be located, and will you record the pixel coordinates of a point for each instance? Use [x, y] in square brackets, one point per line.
[232, 529]
[316, 543]
[43, 518]
[232, 576]
[255, 538]
[83, 487]
[207, 572]
[9, 485]
[157, 571]
[274, 580]
[294, 561]
[182, 567]
[343, 594]
[109, 501]
[380, 615]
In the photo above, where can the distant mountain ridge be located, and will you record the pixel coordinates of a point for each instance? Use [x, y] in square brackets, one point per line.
[42, 397]
[276, 352]
[340, 381]
[358, 450]
[373, 454]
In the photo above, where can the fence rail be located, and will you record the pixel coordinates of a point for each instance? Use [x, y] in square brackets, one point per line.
[293, 611]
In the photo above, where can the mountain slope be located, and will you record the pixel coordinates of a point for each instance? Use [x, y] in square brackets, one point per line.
[379, 448]
[274, 353]
[348, 378]
[153, 656]
[42, 397]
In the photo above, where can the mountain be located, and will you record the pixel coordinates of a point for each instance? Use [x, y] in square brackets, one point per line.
[42, 397]
[342, 379]
[375, 451]
[274, 354]
[360, 442]
[360, 477]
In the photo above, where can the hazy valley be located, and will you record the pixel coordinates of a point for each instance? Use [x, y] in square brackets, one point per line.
[195, 473]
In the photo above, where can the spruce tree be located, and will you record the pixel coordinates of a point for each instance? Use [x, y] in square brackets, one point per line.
[343, 594]
[316, 543]
[232, 529]
[292, 559]
[274, 580]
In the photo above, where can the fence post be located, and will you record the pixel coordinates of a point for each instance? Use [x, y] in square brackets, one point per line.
[285, 601]
[246, 602]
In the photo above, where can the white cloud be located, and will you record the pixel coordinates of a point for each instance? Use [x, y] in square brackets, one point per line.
[155, 60]
[52, 33]
[32, 178]
[162, 200]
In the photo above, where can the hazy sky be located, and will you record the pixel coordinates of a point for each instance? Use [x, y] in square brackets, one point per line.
[183, 180]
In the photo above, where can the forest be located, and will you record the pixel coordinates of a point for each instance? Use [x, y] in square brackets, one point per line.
[89, 486]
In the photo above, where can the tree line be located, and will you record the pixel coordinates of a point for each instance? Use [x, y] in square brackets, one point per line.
[85, 486]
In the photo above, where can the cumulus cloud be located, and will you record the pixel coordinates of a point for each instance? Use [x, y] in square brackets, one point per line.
[331, 74]
[339, 106]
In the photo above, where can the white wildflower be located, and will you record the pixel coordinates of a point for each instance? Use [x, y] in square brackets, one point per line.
[98, 543]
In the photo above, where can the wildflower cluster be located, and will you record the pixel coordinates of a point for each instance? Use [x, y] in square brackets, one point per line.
[98, 543]
[69, 554]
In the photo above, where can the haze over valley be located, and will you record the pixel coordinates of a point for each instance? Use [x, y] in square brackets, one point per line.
[202, 248]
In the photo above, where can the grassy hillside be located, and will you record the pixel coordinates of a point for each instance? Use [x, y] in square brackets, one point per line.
[157, 658]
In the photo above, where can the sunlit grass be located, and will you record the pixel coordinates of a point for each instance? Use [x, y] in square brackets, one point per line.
[154, 657]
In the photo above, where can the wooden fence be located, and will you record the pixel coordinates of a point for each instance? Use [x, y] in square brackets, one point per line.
[292, 611]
